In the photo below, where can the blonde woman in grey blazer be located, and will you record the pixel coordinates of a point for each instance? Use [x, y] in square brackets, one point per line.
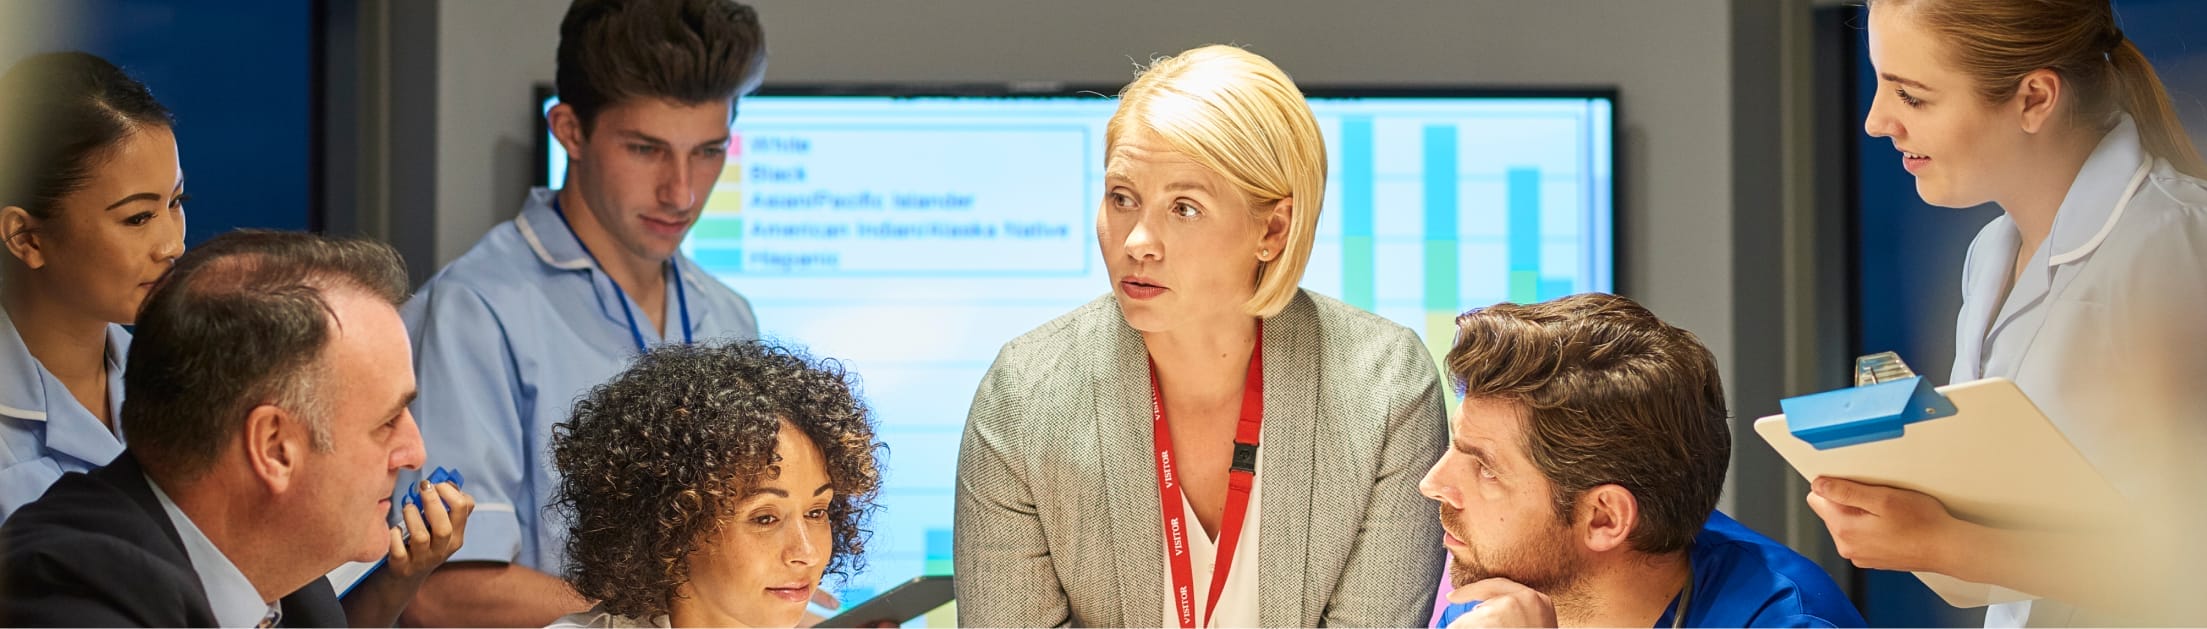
[1214, 173]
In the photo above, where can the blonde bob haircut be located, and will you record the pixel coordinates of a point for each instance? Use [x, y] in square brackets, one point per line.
[1240, 116]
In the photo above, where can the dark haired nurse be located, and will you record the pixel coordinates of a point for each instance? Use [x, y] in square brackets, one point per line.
[585, 278]
[91, 213]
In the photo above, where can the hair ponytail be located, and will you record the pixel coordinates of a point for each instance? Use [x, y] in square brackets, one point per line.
[1998, 42]
[2139, 93]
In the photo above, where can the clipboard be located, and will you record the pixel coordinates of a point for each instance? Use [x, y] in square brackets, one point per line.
[1981, 447]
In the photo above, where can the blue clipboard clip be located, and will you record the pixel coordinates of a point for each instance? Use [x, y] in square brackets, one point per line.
[1886, 398]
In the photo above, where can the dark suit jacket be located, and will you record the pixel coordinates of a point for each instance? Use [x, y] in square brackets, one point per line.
[97, 550]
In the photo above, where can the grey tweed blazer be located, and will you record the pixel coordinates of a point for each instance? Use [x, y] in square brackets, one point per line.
[1057, 499]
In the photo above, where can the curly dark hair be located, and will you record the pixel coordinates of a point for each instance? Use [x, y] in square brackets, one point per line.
[652, 462]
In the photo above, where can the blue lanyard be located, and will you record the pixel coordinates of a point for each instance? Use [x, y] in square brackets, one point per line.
[681, 297]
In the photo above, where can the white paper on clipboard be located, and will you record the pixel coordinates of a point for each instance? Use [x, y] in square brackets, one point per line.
[1998, 461]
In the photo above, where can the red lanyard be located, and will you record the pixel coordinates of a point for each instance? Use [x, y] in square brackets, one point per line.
[1239, 480]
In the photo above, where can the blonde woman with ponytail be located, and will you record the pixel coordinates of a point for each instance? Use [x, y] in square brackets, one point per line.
[2086, 293]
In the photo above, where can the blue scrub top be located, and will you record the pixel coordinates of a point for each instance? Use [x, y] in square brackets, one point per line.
[505, 339]
[44, 431]
[1742, 579]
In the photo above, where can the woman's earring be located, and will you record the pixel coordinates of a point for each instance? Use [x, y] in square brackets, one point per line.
[1264, 254]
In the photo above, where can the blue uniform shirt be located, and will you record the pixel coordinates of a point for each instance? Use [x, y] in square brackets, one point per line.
[505, 339]
[1742, 579]
[44, 431]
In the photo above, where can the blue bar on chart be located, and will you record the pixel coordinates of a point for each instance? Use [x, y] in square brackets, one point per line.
[939, 544]
[1551, 289]
[1524, 236]
[1357, 258]
[1441, 284]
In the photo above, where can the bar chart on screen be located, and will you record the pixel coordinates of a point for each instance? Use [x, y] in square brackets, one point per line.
[911, 237]
[1436, 210]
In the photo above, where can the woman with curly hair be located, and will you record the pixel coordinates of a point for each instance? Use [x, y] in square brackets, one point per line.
[713, 485]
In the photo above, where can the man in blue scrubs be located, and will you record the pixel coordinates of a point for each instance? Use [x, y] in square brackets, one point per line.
[559, 299]
[1581, 484]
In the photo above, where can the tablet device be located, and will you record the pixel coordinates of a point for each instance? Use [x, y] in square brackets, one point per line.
[900, 604]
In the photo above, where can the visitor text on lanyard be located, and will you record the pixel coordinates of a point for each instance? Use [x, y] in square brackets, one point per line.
[1241, 478]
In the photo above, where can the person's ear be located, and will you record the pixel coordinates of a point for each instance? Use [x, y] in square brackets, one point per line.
[1277, 223]
[1607, 516]
[275, 446]
[566, 126]
[19, 232]
[2037, 96]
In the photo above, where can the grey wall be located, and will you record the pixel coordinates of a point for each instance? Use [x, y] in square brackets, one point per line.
[1669, 59]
